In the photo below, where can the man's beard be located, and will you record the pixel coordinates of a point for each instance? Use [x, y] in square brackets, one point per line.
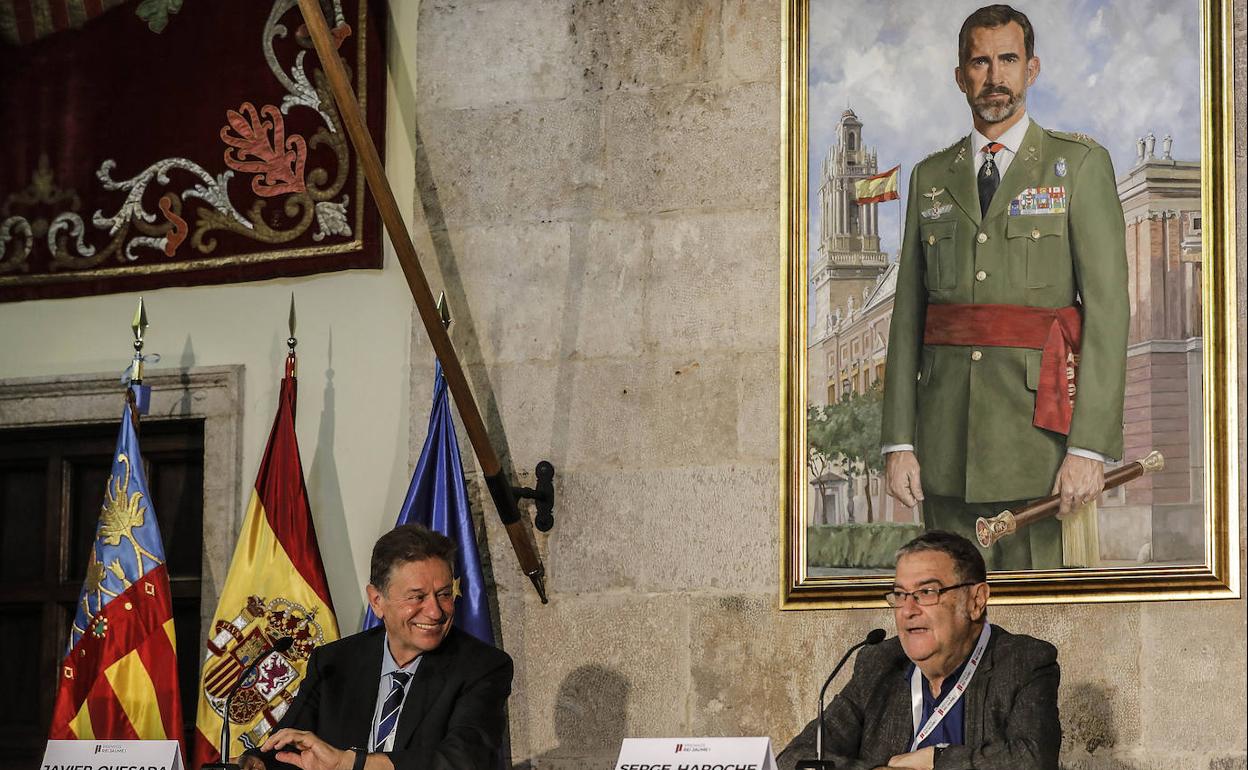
[995, 113]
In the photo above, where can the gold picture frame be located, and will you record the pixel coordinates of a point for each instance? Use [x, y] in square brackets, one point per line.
[1214, 576]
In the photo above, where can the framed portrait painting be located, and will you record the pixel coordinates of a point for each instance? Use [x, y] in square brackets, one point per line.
[1009, 264]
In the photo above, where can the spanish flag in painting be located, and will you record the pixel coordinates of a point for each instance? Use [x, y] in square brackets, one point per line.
[119, 679]
[877, 189]
[276, 587]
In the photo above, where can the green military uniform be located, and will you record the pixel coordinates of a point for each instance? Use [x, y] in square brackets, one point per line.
[968, 410]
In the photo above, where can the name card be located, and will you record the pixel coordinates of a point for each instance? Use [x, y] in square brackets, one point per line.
[695, 754]
[112, 755]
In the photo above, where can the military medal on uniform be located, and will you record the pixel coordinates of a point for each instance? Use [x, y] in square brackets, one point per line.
[938, 209]
[1035, 201]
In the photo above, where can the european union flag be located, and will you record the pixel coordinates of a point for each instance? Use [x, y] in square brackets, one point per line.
[438, 499]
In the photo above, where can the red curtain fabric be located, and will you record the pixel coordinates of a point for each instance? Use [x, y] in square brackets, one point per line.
[24, 21]
[208, 153]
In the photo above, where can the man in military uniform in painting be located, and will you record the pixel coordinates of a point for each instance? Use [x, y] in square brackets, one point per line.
[1007, 350]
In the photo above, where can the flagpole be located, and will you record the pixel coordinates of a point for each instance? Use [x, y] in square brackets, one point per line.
[124, 612]
[353, 119]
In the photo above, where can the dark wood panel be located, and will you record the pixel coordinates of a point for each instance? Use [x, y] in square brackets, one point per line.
[23, 519]
[21, 636]
[176, 482]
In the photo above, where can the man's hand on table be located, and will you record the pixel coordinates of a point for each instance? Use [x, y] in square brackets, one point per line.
[304, 749]
[923, 759]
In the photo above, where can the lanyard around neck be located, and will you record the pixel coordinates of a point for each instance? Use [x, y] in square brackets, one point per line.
[946, 705]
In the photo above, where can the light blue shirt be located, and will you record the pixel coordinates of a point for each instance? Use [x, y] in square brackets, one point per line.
[388, 666]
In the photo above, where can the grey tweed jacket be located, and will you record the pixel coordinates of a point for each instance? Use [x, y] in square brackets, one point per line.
[1011, 720]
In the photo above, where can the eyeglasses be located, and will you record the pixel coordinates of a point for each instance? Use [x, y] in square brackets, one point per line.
[923, 596]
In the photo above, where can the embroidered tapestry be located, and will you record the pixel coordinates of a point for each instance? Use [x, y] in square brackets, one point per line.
[210, 151]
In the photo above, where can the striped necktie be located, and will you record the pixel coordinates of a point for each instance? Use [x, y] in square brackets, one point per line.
[989, 176]
[390, 709]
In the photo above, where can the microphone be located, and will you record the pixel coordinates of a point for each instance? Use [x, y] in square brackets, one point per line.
[874, 637]
[281, 645]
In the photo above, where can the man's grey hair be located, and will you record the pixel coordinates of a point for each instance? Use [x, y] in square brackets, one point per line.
[405, 543]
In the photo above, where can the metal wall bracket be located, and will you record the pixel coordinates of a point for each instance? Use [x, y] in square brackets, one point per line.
[543, 496]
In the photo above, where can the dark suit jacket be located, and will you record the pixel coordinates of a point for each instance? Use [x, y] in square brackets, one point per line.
[453, 715]
[1011, 720]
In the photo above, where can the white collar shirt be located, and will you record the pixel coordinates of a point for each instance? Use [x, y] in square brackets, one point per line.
[1011, 139]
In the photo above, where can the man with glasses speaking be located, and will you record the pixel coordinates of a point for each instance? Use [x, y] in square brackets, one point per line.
[950, 691]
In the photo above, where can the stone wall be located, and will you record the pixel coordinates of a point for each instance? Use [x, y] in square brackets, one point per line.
[598, 190]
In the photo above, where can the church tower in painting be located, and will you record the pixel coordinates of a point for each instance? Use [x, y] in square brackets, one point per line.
[846, 257]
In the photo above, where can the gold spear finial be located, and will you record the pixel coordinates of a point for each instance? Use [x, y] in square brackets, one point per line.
[138, 326]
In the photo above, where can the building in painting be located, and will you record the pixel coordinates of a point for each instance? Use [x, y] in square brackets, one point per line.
[849, 299]
[1160, 517]
[846, 258]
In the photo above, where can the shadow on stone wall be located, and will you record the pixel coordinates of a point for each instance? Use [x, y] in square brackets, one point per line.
[1088, 727]
[325, 496]
[591, 718]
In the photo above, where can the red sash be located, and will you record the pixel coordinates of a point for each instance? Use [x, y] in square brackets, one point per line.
[1055, 332]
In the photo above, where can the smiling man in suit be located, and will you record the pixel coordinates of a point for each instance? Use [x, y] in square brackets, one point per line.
[949, 691]
[412, 694]
[1007, 348]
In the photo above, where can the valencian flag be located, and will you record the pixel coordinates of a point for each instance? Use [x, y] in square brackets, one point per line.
[119, 680]
[438, 499]
[878, 188]
[276, 587]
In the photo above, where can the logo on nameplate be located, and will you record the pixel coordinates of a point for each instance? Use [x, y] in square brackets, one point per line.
[695, 754]
[113, 755]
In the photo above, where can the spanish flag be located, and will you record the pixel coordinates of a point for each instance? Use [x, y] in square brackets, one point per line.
[119, 679]
[276, 587]
[878, 188]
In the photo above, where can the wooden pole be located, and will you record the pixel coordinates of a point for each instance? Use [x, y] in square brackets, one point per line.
[374, 172]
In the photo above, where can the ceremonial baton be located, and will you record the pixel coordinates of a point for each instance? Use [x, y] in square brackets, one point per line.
[989, 531]
[374, 173]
